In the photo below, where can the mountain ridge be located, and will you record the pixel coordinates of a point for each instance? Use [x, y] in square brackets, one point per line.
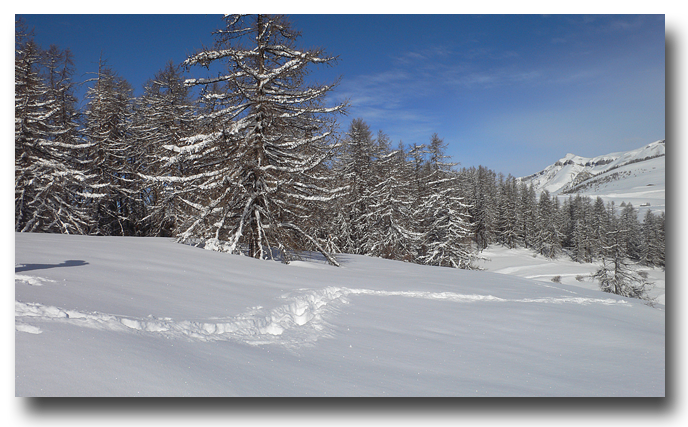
[572, 173]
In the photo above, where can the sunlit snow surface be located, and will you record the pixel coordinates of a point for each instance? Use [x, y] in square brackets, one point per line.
[631, 177]
[108, 316]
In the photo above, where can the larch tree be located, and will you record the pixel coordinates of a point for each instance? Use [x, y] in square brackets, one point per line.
[482, 205]
[164, 115]
[507, 212]
[616, 275]
[599, 225]
[632, 235]
[447, 232]
[548, 240]
[661, 236]
[115, 190]
[48, 177]
[394, 236]
[260, 164]
[418, 192]
[527, 218]
[651, 253]
[582, 233]
[356, 169]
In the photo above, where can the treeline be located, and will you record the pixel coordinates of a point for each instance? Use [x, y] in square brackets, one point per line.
[508, 212]
[250, 162]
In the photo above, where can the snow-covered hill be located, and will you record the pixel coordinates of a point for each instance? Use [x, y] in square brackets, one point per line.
[118, 316]
[635, 176]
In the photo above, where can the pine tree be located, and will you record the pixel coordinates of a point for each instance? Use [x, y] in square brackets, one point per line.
[261, 164]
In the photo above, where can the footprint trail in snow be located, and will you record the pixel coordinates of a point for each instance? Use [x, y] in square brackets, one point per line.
[299, 321]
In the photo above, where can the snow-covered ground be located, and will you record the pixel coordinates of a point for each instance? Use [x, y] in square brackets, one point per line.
[109, 316]
[524, 263]
[643, 185]
[612, 177]
[575, 169]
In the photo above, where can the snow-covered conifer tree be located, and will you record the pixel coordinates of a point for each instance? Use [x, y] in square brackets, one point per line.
[548, 241]
[616, 275]
[356, 169]
[661, 237]
[482, 201]
[565, 220]
[632, 235]
[582, 233]
[48, 175]
[446, 234]
[259, 164]
[117, 206]
[527, 217]
[651, 251]
[393, 234]
[599, 225]
[164, 115]
[507, 213]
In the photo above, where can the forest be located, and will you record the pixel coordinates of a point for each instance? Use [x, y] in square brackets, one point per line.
[254, 162]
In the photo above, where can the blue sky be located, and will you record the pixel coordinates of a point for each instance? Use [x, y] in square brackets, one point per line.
[511, 92]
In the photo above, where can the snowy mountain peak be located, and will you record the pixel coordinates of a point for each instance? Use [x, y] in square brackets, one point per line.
[574, 173]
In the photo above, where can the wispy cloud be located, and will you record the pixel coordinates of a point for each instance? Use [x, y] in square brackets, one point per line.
[439, 68]
[426, 91]
[397, 97]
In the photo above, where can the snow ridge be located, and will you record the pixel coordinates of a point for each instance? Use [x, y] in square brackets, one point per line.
[572, 170]
[300, 321]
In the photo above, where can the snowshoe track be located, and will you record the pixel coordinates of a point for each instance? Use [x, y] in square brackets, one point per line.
[299, 321]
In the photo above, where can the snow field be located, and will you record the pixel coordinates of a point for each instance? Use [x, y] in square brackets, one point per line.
[307, 309]
[148, 317]
[521, 262]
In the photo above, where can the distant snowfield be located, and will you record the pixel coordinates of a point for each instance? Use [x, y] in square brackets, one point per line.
[109, 316]
[524, 263]
[635, 176]
[643, 185]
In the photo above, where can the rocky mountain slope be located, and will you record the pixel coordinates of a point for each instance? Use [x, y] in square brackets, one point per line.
[635, 176]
